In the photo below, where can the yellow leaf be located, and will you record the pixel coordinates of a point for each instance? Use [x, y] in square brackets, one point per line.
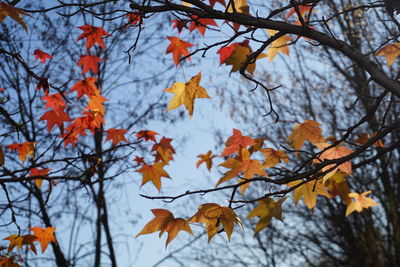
[308, 130]
[213, 215]
[153, 173]
[309, 191]
[165, 221]
[360, 202]
[390, 51]
[185, 93]
[279, 45]
[273, 157]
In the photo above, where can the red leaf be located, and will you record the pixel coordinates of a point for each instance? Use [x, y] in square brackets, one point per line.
[43, 83]
[85, 87]
[89, 62]
[201, 24]
[178, 48]
[236, 142]
[39, 54]
[212, 2]
[93, 35]
[116, 135]
[54, 102]
[147, 135]
[55, 118]
[179, 24]
[134, 18]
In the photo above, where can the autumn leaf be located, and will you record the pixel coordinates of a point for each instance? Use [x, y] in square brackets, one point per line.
[273, 157]
[139, 160]
[178, 48]
[55, 118]
[116, 135]
[93, 35]
[14, 13]
[153, 173]
[309, 191]
[360, 202]
[304, 9]
[164, 150]
[236, 142]
[205, 158]
[147, 135]
[39, 54]
[26, 149]
[336, 152]
[213, 215]
[390, 51]
[2, 159]
[236, 55]
[85, 87]
[165, 221]
[279, 45]
[89, 62]
[179, 24]
[308, 130]
[20, 240]
[55, 102]
[212, 2]
[266, 210]
[364, 138]
[44, 236]
[134, 18]
[201, 24]
[39, 172]
[185, 94]
[95, 103]
[43, 84]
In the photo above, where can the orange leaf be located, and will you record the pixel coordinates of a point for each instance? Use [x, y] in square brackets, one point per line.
[279, 45]
[360, 202]
[164, 150]
[134, 18]
[54, 102]
[39, 54]
[153, 173]
[93, 35]
[390, 51]
[19, 240]
[147, 135]
[186, 93]
[201, 24]
[39, 172]
[165, 221]
[24, 150]
[236, 142]
[55, 118]
[85, 87]
[304, 9]
[13, 12]
[95, 103]
[89, 62]
[308, 130]
[44, 236]
[116, 135]
[273, 157]
[309, 192]
[336, 152]
[178, 48]
[207, 158]
[213, 215]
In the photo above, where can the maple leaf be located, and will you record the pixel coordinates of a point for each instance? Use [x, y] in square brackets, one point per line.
[390, 51]
[273, 157]
[116, 135]
[337, 185]
[212, 2]
[249, 167]
[207, 158]
[85, 87]
[44, 236]
[266, 210]
[213, 215]
[24, 150]
[55, 118]
[236, 55]
[39, 172]
[279, 45]
[165, 221]
[308, 130]
[242, 7]
[39, 54]
[134, 18]
[147, 135]
[93, 35]
[54, 102]
[179, 24]
[236, 142]
[95, 103]
[185, 93]
[19, 240]
[2, 159]
[201, 24]
[153, 173]
[164, 150]
[364, 138]
[139, 160]
[178, 48]
[309, 192]
[43, 83]
[304, 9]
[331, 154]
[14, 13]
[89, 62]
[360, 202]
